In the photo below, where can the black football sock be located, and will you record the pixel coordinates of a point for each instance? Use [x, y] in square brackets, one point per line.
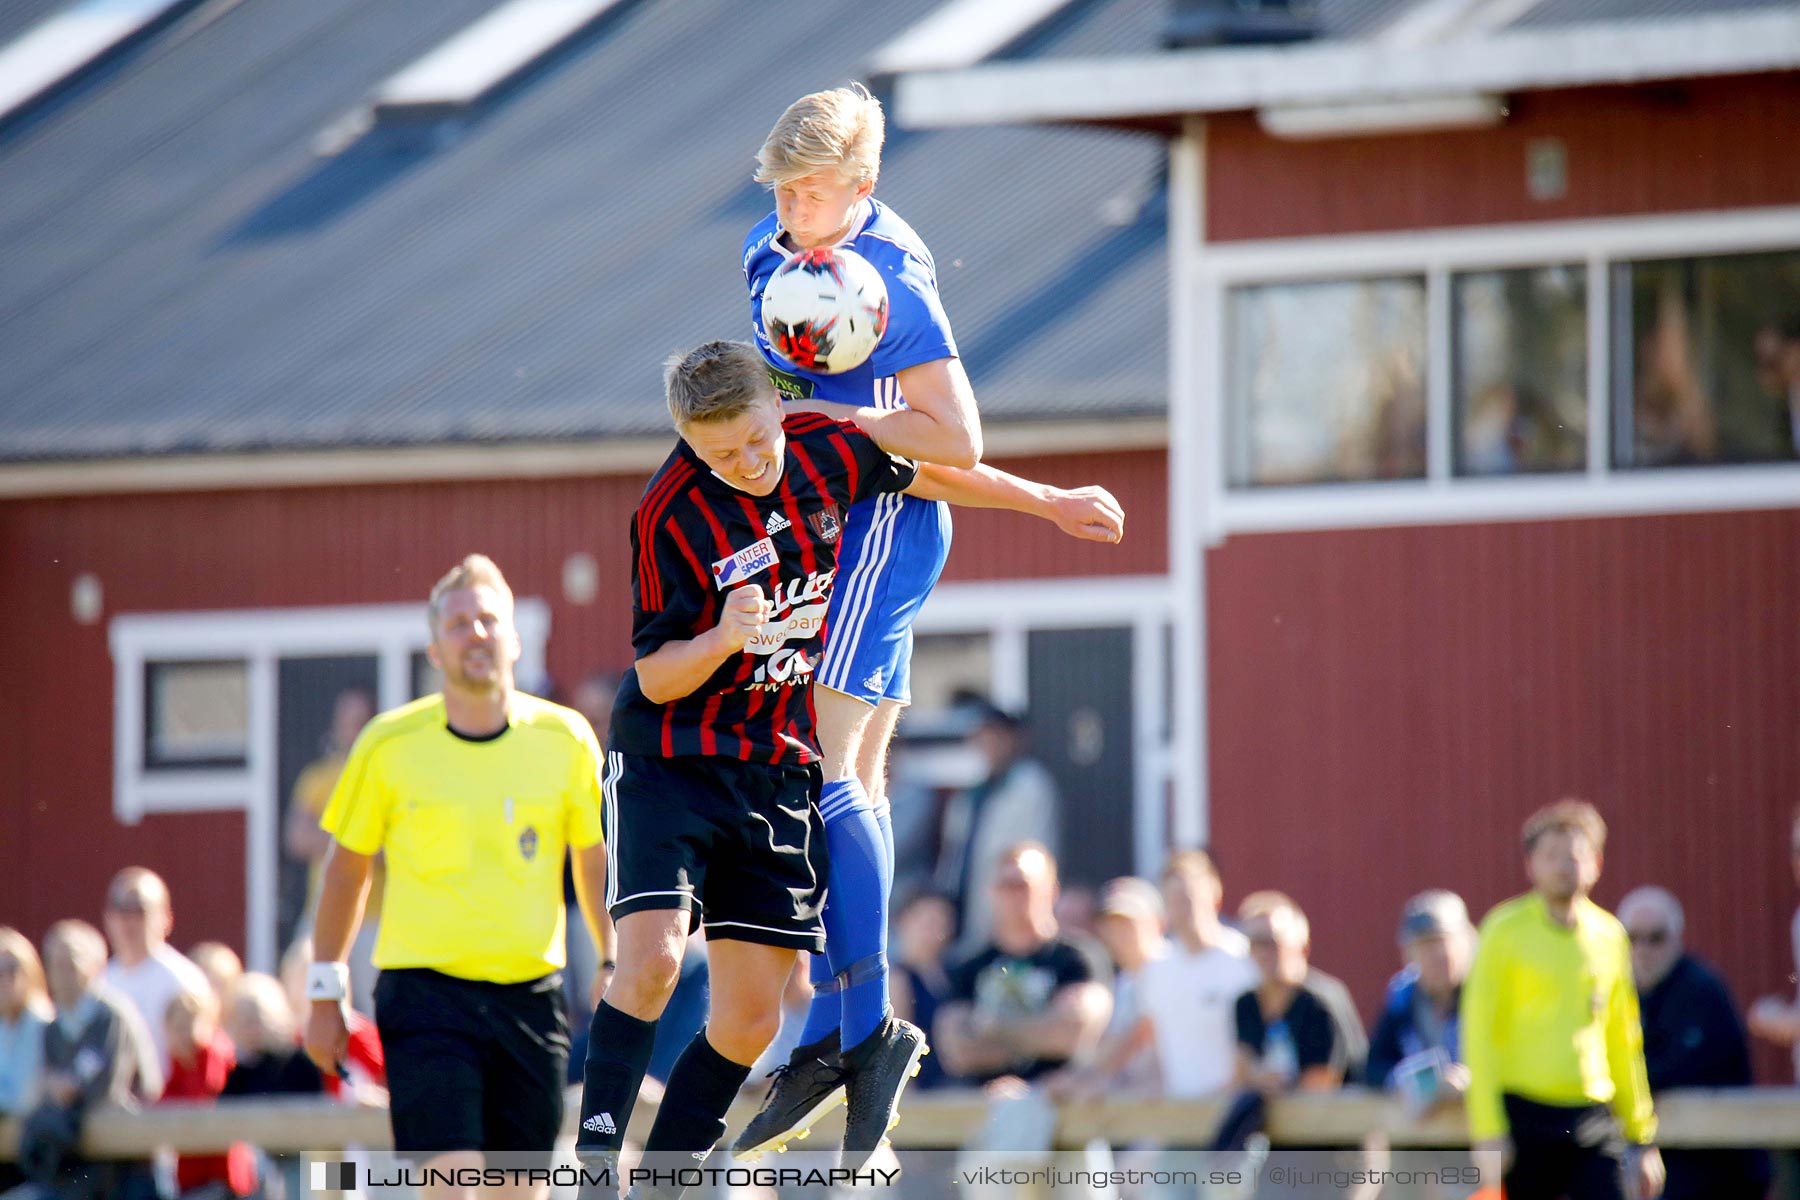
[701, 1087]
[618, 1055]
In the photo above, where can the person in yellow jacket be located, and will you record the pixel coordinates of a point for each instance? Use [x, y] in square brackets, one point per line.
[1551, 1033]
[472, 795]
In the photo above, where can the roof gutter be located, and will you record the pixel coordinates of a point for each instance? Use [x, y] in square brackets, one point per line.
[1163, 87]
[514, 460]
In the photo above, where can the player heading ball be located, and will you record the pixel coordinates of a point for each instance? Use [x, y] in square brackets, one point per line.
[821, 161]
[712, 778]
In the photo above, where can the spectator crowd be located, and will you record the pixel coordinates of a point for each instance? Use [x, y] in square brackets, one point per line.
[1164, 995]
[1148, 989]
[148, 1025]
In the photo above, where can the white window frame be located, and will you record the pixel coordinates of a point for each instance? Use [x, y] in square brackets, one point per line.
[261, 638]
[1443, 497]
[1007, 612]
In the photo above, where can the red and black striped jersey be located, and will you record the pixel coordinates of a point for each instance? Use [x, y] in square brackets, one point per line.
[694, 539]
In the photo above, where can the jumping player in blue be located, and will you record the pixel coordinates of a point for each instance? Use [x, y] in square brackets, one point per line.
[914, 399]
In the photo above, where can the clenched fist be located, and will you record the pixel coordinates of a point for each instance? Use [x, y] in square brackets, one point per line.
[1089, 513]
[746, 611]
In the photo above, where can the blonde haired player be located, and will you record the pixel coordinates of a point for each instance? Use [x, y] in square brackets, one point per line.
[912, 396]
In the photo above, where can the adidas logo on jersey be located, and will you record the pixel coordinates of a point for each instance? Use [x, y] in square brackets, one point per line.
[777, 523]
[600, 1123]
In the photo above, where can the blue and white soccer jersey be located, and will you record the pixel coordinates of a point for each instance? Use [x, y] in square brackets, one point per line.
[894, 546]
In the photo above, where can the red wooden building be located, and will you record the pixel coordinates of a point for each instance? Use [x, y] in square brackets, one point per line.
[262, 387]
[1472, 490]
[221, 622]
[1484, 418]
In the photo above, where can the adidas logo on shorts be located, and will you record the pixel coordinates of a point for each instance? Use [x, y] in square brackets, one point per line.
[777, 523]
[600, 1123]
[873, 682]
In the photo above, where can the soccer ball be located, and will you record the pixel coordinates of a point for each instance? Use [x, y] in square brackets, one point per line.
[825, 310]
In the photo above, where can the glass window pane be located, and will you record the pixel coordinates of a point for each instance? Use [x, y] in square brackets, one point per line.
[1712, 365]
[933, 753]
[946, 664]
[1519, 377]
[197, 714]
[425, 677]
[1328, 381]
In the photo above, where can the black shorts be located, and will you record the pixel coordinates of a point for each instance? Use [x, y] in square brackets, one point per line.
[740, 846]
[472, 1065]
[1562, 1151]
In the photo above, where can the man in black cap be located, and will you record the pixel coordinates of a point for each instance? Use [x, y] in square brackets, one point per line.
[1415, 1048]
[1016, 801]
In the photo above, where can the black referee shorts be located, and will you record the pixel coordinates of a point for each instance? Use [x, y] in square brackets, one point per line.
[740, 846]
[1558, 1151]
[472, 1065]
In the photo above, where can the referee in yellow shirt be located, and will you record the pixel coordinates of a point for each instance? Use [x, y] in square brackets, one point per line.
[472, 795]
[1550, 1029]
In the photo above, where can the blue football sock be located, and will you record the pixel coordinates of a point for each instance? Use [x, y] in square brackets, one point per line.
[826, 1012]
[856, 908]
[884, 819]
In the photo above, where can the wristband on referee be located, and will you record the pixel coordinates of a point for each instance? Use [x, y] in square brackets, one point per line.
[327, 981]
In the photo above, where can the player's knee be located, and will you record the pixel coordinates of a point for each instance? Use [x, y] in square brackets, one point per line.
[871, 769]
[644, 982]
[840, 756]
[841, 722]
[742, 1036]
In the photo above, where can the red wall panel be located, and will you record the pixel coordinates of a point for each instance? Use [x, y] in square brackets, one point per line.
[1000, 545]
[1388, 705]
[1705, 144]
[59, 842]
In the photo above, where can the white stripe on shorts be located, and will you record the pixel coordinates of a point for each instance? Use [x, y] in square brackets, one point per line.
[845, 638]
[688, 892]
[609, 799]
[764, 928]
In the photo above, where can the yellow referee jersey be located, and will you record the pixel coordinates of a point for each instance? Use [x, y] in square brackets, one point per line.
[1550, 1014]
[474, 833]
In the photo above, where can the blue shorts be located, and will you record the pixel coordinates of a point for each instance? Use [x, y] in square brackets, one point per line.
[892, 553]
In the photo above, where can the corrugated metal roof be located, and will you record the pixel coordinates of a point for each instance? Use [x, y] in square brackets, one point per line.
[1570, 12]
[1359, 18]
[179, 273]
[1137, 26]
[1153, 90]
[16, 16]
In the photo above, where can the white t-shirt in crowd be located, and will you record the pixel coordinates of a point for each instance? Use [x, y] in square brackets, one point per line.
[150, 985]
[1191, 1001]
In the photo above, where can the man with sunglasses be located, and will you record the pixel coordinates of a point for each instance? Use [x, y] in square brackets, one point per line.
[1692, 1039]
[1036, 996]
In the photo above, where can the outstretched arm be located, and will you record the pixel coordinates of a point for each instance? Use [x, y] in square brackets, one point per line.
[939, 423]
[1089, 512]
